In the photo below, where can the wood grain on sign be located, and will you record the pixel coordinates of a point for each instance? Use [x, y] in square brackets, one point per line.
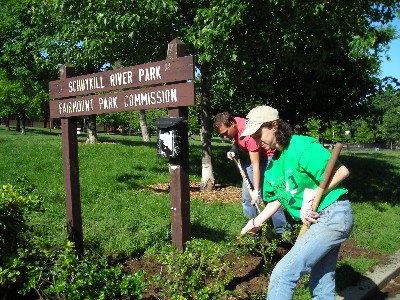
[173, 95]
[166, 71]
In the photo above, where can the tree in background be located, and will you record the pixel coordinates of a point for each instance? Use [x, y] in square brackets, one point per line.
[385, 110]
[27, 74]
[363, 133]
[313, 58]
[307, 59]
[94, 34]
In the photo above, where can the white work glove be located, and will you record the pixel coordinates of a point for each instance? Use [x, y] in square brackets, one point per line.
[306, 212]
[232, 152]
[250, 228]
[256, 197]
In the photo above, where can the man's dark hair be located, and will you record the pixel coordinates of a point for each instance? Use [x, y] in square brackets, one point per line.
[223, 118]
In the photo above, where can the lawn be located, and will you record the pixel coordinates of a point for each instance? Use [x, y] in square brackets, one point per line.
[125, 219]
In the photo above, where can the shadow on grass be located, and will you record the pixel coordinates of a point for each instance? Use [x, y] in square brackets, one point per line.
[346, 277]
[44, 131]
[124, 142]
[132, 180]
[201, 232]
[372, 179]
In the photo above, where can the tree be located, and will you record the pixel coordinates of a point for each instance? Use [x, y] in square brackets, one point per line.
[21, 65]
[306, 58]
[391, 125]
[95, 34]
[363, 132]
[384, 108]
[7, 91]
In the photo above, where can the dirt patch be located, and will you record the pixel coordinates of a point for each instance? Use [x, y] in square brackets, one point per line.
[220, 193]
[250, 276]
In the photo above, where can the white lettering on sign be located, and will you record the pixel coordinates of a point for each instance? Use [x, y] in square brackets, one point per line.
[87, 84]
[75, 106]
[108, 103]
[145, 99]
[121, 78]
[147, 74]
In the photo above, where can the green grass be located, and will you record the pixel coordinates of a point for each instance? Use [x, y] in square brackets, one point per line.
[120, 215]
[375, 196]
[123, 217]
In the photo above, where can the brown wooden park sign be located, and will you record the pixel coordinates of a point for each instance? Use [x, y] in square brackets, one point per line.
[162, 84]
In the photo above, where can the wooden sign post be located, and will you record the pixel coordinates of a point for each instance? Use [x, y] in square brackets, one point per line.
[179, 169]
[170, 89]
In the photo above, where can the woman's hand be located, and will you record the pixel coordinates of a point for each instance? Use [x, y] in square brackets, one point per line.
[306, 213]
[250, 228]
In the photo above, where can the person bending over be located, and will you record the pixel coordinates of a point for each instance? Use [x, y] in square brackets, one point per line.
[291, 181]
[232, 127]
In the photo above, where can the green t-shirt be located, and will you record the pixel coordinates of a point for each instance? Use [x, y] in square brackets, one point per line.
[301, 165]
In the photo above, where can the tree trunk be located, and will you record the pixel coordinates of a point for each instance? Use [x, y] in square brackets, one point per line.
[8, 122]
[91, 130]
[207, 176]
[143, 126]
[18, 125]
[23, 123]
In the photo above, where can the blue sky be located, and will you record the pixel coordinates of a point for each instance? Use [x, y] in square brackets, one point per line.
[392, 67]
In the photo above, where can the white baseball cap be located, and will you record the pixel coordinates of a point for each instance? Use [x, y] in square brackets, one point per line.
[258, 116]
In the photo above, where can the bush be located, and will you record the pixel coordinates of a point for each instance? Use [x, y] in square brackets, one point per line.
[16, 204]
[61, 274]
[200, 272]
[27, 264]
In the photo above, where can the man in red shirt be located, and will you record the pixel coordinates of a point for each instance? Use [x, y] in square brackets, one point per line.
[232, 127]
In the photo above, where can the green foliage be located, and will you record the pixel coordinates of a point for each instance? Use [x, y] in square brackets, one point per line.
[267, 243]
[386, 113]
[391, 124]
[29, 264]
[64, 275]
[124, 217]
[17, 202]
[362, 132]
[246, 52]
[125, 120]
[200, 272]
[27, 72]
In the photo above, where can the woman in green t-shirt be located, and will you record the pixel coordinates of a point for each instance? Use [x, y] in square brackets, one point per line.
[291, 181]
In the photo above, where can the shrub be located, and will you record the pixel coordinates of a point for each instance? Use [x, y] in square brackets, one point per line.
[61, 274]
[16, 204]
[200, 272]
[28, 264]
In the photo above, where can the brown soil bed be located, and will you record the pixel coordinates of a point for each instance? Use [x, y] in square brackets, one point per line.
[220, 193]
[249, 277]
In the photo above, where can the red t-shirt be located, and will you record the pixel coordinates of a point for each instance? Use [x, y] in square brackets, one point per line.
[248, 144]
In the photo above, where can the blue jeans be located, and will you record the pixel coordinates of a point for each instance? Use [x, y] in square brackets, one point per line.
[315, 253]
[278, 219]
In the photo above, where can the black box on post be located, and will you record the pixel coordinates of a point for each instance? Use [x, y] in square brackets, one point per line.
[169, 136]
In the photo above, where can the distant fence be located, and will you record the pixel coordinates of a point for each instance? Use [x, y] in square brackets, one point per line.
[367, 147]
[44, 124]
